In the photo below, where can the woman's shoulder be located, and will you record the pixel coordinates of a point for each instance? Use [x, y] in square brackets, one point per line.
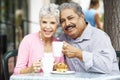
[31, 37]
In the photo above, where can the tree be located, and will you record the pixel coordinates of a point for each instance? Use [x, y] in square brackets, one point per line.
[112, 21]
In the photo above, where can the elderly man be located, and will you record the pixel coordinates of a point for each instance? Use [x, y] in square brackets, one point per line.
[87, 49]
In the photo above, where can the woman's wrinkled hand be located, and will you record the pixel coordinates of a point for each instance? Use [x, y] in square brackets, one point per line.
[36, 66]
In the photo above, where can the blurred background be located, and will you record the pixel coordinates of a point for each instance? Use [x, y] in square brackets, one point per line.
[21, 17]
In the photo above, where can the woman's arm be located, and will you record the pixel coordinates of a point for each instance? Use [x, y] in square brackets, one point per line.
[98, 22]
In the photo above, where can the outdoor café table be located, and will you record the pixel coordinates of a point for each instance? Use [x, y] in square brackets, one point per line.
[73, 76]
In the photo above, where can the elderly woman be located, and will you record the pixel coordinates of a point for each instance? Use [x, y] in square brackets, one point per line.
[35, 46]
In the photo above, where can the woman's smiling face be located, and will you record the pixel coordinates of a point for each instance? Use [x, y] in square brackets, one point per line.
[48, 25]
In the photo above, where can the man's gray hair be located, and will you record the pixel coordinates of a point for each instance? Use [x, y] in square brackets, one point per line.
[49, 10]
[72, 5]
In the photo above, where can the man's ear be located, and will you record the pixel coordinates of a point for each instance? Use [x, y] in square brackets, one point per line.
[82, 15]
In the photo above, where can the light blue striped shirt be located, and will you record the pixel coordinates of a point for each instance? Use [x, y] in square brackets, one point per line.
[97, 52]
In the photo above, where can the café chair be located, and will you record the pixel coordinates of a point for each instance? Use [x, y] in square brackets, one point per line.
[5, 58]
[118, 55]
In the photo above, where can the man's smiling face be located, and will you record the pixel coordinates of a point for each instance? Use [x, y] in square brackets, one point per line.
[72, 23]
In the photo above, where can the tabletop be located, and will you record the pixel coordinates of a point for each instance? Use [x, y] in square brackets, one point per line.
[72, 76]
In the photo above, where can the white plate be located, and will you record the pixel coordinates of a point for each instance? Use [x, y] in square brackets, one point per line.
[67, 72]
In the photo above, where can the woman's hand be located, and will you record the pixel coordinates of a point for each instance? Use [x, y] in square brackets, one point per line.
[36, 66]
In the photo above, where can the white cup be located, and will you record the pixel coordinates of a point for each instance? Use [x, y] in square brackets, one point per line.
[47, 64]
[57, 47]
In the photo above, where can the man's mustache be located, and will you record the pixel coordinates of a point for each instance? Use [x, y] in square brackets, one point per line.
[70, 25]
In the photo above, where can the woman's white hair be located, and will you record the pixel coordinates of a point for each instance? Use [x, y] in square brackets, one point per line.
[49, 10]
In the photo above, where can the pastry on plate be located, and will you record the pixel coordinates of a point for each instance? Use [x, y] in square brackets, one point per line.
[61, 67]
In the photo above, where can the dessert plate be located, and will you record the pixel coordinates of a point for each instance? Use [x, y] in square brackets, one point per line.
[67, 72]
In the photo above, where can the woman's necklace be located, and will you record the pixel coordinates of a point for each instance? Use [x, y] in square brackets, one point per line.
[47, 44]
[40, 35]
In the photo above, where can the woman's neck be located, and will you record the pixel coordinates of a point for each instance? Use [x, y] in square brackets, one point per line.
[47, 45]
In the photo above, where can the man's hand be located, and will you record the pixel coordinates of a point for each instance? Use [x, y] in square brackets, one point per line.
[71, 51]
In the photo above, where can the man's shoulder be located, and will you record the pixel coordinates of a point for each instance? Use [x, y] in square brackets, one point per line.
[62, 37]
[98, 32]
